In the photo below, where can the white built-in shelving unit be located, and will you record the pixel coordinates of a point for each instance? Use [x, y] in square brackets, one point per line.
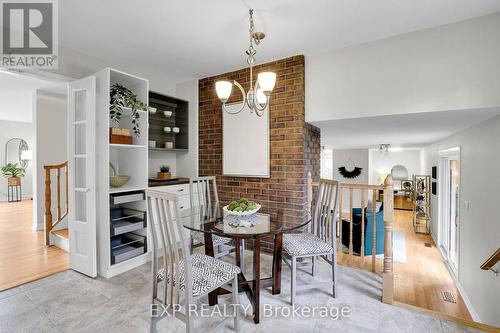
[122, 242]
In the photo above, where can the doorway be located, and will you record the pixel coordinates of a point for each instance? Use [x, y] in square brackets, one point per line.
[449, 206]
[25, 123]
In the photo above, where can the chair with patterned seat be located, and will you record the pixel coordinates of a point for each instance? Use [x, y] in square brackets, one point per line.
[319, 243]
[205, 202]
[185, 277]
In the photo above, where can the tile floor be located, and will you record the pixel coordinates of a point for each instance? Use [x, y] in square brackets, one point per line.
[71, 302]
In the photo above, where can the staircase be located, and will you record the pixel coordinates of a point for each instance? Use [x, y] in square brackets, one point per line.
[60, 238]
[56, 232]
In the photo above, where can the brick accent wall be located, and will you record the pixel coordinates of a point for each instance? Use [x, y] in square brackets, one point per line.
[294, 144]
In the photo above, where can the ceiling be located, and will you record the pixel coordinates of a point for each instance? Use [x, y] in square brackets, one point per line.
[197, 38]
[407, 130]
[16, 96]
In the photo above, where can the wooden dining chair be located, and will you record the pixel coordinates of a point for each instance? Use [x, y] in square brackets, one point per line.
[320, 242]
[185, 277]
[204, 202]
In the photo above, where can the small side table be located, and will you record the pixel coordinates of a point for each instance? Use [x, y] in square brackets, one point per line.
[14, 192]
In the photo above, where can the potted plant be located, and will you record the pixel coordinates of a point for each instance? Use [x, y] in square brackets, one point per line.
[121, 97]
[13, 173]
[164, 172]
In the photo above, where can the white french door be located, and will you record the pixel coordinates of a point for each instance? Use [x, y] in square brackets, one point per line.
[82, 178]
[449, 206]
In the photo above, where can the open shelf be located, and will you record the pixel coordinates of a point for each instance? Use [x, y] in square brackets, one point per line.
[158, 120]
[126, 188]
[118, 145]
[169, 149]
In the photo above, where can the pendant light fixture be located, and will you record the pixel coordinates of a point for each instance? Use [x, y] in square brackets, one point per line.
[257, 97]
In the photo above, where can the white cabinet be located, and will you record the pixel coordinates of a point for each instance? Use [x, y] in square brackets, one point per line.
[120, 213]
[184, 195]
[182, 190]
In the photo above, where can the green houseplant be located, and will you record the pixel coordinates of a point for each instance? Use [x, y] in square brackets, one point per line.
[164, 172]
[13, 173]
[121, 97]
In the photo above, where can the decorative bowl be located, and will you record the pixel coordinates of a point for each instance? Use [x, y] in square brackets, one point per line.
[245, 213]
[118, 181]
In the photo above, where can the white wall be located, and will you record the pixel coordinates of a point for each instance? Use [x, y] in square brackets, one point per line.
[77, 65]
[479, 228]
[456, 66]
[50, 144]
[9, 130]
[158, 158]
[382, 163]
[187, 163]
[360, 159]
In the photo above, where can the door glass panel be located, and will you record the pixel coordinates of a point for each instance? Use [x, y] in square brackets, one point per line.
[80, 140]
[81, 206]
[80, 105]
[80, 170]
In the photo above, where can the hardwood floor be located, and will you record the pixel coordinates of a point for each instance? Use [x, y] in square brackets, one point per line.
[23, 255]
[420, 281]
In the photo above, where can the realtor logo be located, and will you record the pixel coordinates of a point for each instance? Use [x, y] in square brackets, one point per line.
[29, 32]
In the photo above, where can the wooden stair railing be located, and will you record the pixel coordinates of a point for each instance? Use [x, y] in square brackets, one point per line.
[388, 196]
[49, 223]
[491, 262]
[388, 204]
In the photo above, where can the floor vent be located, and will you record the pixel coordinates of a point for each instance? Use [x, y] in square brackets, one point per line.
[448, 296]
[427, 244]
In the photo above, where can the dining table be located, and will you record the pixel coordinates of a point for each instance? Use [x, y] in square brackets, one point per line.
[255, 227]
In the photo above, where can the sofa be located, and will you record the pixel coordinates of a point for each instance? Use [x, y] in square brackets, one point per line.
[356, 231]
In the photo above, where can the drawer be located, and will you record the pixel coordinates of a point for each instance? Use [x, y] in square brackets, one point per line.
[184, 202]
[125, 220]
[127, 246]
[184, 205]
[180, 189]
[121, 198]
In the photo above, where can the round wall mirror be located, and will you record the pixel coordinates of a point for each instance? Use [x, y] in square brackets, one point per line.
[14, 149]
[399, 172]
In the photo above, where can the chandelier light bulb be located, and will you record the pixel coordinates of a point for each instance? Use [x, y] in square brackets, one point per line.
[223, 89]
[267, 80]
[261, 97]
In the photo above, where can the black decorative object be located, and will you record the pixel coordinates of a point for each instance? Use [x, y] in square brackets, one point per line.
[434, 172]
[350, 170]
[434, 188]
[350, 174]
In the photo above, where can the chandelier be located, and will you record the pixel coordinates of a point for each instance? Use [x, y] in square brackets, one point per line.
[257, 97]
[384, 147]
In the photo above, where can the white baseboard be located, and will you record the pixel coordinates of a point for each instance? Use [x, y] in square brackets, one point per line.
[467, 302]
[460, 288]
[60, 242]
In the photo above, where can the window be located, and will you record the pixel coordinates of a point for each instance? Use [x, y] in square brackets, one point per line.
[326, 166]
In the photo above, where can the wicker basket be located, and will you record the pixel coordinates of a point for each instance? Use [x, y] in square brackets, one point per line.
[118, 181]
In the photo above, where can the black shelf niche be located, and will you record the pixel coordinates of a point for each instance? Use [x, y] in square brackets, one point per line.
[158, 121]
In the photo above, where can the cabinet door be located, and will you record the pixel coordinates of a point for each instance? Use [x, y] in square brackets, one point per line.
[82, 178]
